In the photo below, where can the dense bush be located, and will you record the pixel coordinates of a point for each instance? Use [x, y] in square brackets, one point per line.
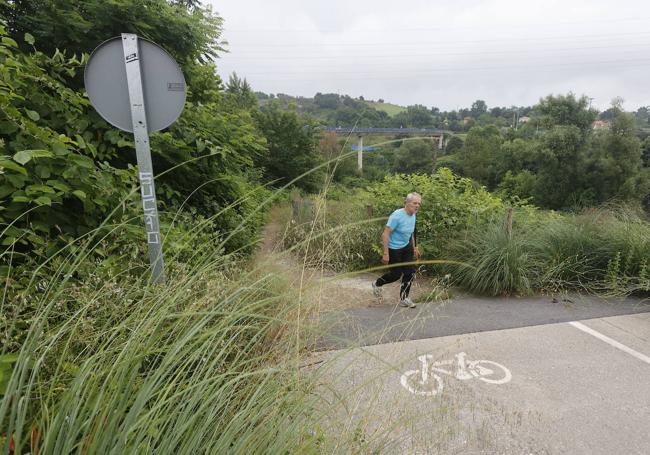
[344, 232]
[603, 251]
[55, 181]
[450, 204]
[64, 169]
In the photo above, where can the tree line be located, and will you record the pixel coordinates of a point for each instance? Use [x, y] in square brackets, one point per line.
[559, 154]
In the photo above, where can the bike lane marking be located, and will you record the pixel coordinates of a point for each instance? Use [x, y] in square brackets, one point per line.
[461, 369]
[610, 341]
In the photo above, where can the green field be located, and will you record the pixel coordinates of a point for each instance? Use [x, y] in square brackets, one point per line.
[390, 109]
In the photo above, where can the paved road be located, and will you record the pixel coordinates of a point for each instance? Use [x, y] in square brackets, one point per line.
[385, 323]
[570, 387]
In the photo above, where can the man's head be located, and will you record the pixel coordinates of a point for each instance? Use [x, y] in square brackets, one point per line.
[412, 203]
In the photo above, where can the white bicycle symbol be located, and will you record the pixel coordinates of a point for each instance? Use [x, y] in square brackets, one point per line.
[425, 382]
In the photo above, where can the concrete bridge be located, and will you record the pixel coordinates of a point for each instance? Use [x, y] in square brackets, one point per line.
[435, 134]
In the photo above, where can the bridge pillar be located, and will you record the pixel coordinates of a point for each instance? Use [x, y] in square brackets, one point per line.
[360, 155]
[440, 142]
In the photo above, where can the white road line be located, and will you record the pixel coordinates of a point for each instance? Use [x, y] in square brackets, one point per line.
[614, 343]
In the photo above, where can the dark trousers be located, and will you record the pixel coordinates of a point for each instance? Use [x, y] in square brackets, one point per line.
[406, 272]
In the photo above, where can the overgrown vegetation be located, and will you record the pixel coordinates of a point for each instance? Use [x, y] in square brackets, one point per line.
[558, 154]
[107, 362]
[94, 359]
[103, 360]
[463, 232]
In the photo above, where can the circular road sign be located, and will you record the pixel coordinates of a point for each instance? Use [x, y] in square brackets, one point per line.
[162, 82]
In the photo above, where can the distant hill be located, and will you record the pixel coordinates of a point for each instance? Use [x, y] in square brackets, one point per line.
[390, 109]
[339, 110]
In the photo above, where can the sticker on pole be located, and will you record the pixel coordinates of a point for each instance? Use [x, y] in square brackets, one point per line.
[163, 84]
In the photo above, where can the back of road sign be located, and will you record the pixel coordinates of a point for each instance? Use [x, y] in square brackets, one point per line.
[162, 80]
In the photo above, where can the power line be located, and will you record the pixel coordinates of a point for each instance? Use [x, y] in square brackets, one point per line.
[527, 67]
[599, 37]
[510, 26]
[438, 54]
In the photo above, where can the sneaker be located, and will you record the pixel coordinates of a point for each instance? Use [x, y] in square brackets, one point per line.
[376, 290]
[407, 303]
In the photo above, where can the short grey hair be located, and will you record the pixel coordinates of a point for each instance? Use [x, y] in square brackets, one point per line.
[411, 196]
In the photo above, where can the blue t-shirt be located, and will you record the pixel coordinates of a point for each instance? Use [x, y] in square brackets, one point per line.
[402, 225]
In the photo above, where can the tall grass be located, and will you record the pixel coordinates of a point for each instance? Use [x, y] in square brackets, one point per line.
[605, 251]
[201, 364]
[493, 261]
[213, 360]
[568, 250]
[337, 235]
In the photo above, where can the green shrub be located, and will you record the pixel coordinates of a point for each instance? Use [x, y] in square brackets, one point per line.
[493, 262]
[450, 204]
[623, 248]
[55, 182]
[568, 249]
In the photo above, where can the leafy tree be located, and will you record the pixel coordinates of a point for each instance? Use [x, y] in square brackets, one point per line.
[332, 150]
[566, 110]
[239, 93]
[478, 108]
[642, 116]
[514, 156]
[520, 186]
[190, 32]
[478, 154]
[607, 114]
[69, 168]
[291, 144]
[416, 116]
[615, 160]
[497, 111]
[559, 163]
[645, 152]
[454, 145]
[468, 123]
[204, 85]
[327, 100]
[415, 157]
[559, 155]
[419, 116]
[55, 182]
[345, 116]
[351, 102]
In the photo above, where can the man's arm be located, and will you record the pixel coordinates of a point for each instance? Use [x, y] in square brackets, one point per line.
[384, 239]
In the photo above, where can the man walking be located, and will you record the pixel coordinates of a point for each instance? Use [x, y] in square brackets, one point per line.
[400, 246]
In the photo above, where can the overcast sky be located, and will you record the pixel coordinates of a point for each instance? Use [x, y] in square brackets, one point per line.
[441, 53]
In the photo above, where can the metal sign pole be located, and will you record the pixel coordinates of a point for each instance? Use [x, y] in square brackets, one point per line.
[143, 152]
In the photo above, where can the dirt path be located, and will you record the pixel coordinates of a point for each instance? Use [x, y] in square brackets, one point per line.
[328, 290]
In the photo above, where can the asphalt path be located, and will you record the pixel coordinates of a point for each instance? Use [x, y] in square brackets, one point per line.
[570, 377]
[384, 323]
